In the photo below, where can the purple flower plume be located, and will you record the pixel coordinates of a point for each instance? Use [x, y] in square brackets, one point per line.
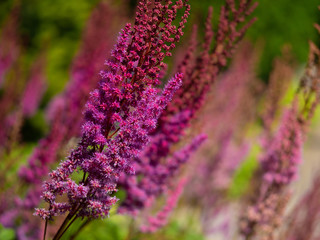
[104, 159]
[35, 89]
[119, 114]
[66, 108]
[9, 43]
[279, 167]
[283, 156]
[156, 178]
[200, 71]
[303, 220]
[161, 218]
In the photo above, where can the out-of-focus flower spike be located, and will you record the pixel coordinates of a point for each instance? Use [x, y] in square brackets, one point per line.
[278, 84]
[65, 108]
[285, 150]
[171, 127]
[9, 43]
[279, 168]
[119, 115]
[317, 26]
[155, 177]
[186, 65]
[282, 157]
[208, 32]
[229, 33]
[35, 88]
[162, 217]
[10, 115]
[303, 219]
[183, 155]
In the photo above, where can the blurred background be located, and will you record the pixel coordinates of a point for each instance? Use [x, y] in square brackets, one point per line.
[54, 28]
[49, 33]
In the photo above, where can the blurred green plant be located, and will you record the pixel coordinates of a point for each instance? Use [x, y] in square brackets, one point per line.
[279, 23]
[242, 177]
[6, 233]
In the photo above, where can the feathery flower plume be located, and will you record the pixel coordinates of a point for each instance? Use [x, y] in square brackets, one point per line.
[155, 179]
[119, 115]
[20, 100]
[9, 114]
[303, 219]
[226, 121]
[9, 43]
[277, 86]
[282, 157]
[66, 108]
[34, 89]
[279, 168]
[199, 73]
[161, 218]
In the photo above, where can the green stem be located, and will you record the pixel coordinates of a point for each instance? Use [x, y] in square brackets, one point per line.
[74, 218]
[65, 222]
[74, 235]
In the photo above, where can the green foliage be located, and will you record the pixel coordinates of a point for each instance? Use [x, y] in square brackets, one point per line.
[11, 163]
[175, 231]
[34, 128]
[279, 23]
[243, 175]
[284, 22]
[5, 7]
[56, 27]
[6, 233]
[113, 228]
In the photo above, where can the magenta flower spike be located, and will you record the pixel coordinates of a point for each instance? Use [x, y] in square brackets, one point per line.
[200, 71]
[282, 156]
[9, 44]
[65, 109]
[34, 89]
[281, 161]
[162, 217]
[155, 177]
[118, 116]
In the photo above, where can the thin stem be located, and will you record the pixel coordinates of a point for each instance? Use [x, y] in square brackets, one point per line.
[75, 217]
[84, 177]
[131, 230]
[113, 133]
[74, 235]
[67, 219]
[45, 230]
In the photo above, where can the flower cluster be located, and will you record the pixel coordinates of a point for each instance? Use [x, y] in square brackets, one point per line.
[34, 89]
[161, 218]
[119, 114]
[64, 110]
[101, 159]
[155, 179]
[279, 168]
[200, 71]
[280, 163]
[142, 125]
[9, 44]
